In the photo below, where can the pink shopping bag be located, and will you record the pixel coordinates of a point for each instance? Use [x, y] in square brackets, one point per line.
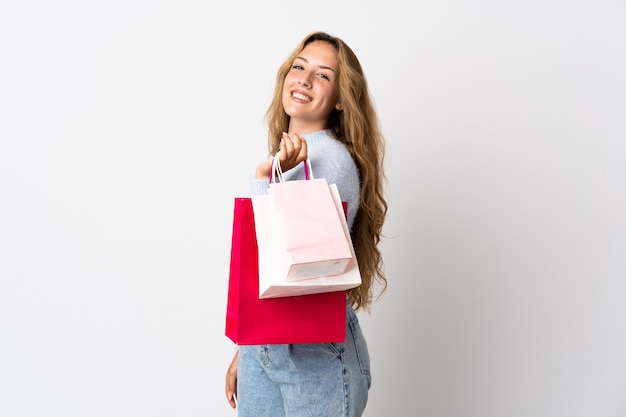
[273, 261]
[301, 225]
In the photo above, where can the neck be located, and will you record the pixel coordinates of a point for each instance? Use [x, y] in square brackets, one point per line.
[302, 128]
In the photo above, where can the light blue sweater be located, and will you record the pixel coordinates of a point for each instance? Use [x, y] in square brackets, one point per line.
[330, 159]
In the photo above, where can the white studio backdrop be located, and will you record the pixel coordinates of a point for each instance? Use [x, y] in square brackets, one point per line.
[127, 128]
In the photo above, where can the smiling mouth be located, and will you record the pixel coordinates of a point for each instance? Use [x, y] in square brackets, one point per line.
[300, 96]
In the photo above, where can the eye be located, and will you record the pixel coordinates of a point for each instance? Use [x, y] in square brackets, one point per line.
[297, 67]
[324, 76]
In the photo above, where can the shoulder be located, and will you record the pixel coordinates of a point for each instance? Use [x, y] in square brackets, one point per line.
[325, 150]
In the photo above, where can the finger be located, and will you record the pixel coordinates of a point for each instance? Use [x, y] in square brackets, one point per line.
[293, 150]
[286, 147]
[231, 391]
[289, 152]
[231, 399]
[297, 142]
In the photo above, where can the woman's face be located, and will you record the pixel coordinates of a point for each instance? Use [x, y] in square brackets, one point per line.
[311, 88]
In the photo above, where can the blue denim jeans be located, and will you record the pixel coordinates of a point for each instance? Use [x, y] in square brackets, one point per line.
[305, 380]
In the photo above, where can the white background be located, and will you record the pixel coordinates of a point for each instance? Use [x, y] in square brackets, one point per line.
[128, 127]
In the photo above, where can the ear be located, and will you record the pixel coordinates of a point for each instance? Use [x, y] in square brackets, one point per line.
[338, 106]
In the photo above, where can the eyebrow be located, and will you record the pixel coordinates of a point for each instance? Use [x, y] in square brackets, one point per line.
[319, 66]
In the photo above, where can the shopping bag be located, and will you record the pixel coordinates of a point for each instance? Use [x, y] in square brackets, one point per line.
[272, 258]
[299, 223]
[316, 318]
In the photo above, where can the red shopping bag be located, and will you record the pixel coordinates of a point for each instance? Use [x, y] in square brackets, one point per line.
[315, 318]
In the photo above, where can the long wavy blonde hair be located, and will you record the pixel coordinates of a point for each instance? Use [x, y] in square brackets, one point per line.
[357, 126]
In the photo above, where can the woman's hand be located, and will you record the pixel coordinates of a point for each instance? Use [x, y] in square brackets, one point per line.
[231, 382]
[293, 150]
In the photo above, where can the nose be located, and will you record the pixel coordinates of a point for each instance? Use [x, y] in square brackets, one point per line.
[304, 81]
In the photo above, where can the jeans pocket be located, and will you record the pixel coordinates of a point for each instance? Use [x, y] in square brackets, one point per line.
[360, 345]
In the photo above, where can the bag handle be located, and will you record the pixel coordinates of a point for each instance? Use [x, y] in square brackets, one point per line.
[276, 168]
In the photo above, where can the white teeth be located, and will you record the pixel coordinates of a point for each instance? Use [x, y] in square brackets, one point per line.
[301, 97]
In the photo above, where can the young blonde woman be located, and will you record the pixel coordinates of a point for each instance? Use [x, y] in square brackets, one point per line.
[322, 102]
